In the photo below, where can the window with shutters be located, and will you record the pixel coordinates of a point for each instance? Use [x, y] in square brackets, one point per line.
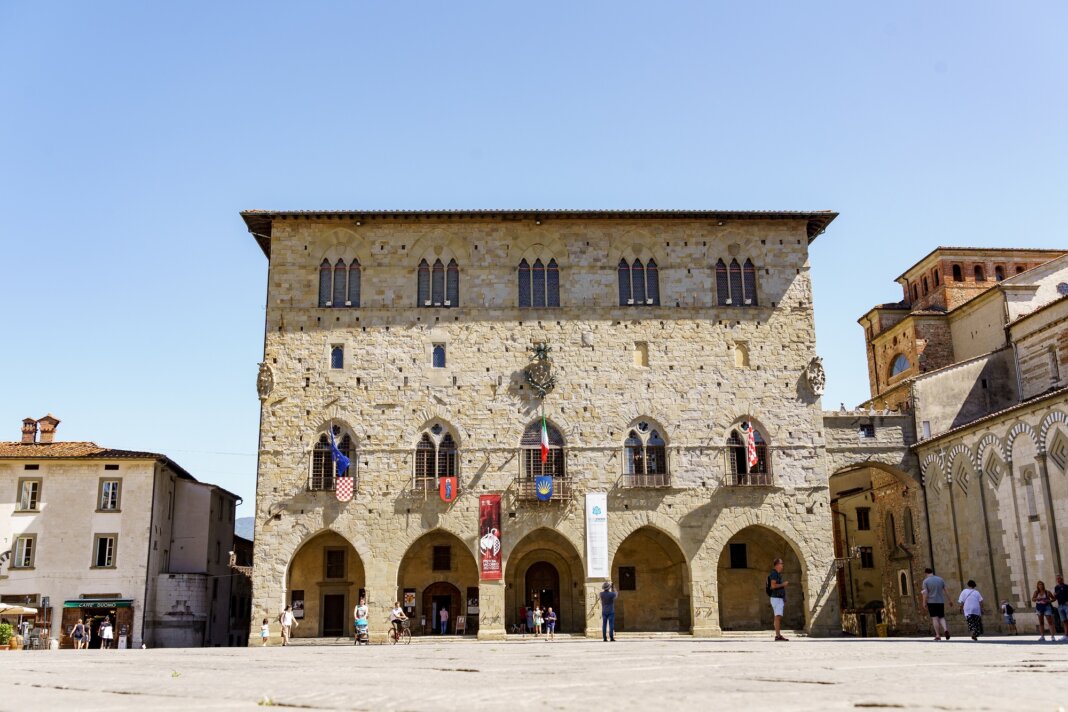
[442, 558]
[104, 551]
[334, 565]
[863, 519]
[25, 550]
[324, 472]
[29, 497]
[109, 495]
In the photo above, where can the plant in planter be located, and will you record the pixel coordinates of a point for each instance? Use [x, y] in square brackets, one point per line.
[6, 633]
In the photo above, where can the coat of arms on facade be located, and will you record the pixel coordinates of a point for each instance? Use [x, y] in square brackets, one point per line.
[815, 375]
[540, 371]
[265, 381]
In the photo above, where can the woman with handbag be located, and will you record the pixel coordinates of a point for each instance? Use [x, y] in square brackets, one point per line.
[971, 605]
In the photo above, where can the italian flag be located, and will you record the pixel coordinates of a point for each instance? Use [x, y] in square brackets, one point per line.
[544, 441]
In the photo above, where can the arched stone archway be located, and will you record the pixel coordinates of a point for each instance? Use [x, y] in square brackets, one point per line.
[529, 575]
[324, 581]
[880, 542]
[652, 577]
[744, 565]
[438, 570]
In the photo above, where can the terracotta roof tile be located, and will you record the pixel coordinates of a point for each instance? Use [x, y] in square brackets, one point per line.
[68, 449]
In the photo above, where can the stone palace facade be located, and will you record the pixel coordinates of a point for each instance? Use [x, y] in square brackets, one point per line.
[410, 335]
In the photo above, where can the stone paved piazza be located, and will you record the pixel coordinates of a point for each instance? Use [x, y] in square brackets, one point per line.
[672, 673]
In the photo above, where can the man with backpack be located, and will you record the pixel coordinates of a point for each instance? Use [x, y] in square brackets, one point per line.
[775, 587]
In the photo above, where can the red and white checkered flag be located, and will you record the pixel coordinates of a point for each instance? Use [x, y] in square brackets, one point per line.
[343, 489]
[750, 446]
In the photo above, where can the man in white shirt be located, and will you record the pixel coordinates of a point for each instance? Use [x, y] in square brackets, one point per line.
[287, 621]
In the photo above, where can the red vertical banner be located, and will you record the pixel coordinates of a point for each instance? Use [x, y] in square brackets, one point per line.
[489, 542]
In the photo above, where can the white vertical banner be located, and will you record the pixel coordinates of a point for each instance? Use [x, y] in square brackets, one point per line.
[597, 534]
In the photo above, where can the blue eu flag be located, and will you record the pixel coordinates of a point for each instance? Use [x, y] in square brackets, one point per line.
[339, 458]
[543, 487]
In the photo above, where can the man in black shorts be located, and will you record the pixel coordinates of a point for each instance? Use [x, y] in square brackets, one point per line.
[935, 598]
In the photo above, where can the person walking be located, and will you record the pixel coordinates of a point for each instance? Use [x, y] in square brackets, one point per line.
[608, 612]
[539, 620]
[443, 616]
[1060, 595]
[265, 632]
[1008, 618]
[106, 634]
[523, 620]
[1044, 608]
[550, 623]
[971, 605]
[934, 598]
[78, 635]
[359, 613]
[775, 587]
[530, 618]
[288, 622]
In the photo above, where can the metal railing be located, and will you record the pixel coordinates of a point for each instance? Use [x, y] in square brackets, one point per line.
[526, 492]
[661, 479]
[748, 479]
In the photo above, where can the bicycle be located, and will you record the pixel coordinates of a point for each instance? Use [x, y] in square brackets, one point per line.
[402, 636]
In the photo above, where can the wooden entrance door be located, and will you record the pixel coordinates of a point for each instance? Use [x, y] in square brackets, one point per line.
[334, 614]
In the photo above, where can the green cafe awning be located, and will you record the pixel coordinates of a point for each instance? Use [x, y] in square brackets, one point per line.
[99, 603]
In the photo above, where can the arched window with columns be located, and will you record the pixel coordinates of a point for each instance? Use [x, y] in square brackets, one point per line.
[436, 456]
[739, 469]
[532, 467]
[645, 457]
[323, 476]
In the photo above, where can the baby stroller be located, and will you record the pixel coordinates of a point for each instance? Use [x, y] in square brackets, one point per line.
[362, 638]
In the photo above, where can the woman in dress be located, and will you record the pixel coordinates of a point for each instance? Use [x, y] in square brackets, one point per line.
[78, 634]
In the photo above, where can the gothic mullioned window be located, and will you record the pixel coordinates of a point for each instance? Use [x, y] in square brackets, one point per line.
[736, 285]
[539, 284]
[436, 456]
[339, 285]
[739, 471]
[639, 284]
[438, 285]
[645, 458]
[323, 470]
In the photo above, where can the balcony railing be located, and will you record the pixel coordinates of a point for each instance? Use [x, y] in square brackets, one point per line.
[748, 479]
[561, 490]
[328, 483]
[661, 479]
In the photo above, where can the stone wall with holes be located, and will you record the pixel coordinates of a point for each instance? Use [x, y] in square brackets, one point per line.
[998, 503]
[689, 370]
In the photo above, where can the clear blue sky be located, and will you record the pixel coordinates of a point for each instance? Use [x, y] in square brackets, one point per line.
[131, 134]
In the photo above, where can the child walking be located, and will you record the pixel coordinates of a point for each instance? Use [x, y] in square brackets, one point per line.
[265, 632]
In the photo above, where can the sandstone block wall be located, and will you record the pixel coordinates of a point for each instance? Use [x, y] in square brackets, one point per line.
[692, 391]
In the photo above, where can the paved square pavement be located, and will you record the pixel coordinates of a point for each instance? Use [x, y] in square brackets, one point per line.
[1015, 673]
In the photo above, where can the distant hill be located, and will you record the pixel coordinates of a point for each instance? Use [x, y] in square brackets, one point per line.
[244, 527]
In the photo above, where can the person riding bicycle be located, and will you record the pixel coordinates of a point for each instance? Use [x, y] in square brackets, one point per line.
[397, 617]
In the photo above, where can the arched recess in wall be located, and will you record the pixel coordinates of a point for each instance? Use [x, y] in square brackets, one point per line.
[323, 581]
[438, 571]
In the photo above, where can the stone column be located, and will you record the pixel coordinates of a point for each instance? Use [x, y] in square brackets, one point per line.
[491, 610]
[704, 603]
[380, 588]
[593, 608]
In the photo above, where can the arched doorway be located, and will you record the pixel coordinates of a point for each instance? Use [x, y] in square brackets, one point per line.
[543, 586]
[326, 578]
[653, 581]
[439, 571]
[744, 565]
[545, 567]
[438, 596]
